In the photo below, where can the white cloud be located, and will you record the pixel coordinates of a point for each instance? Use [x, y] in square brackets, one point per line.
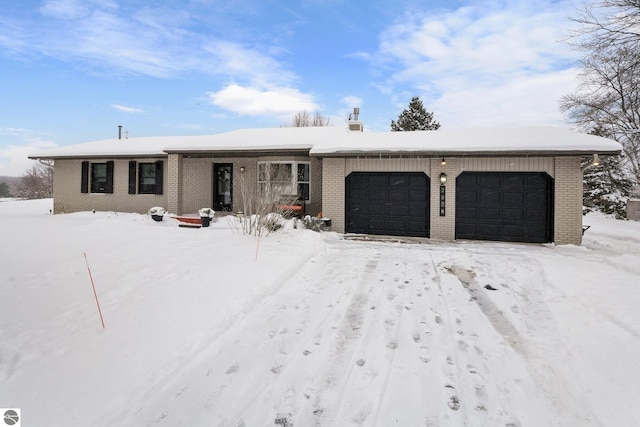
[126, 109]
[350, 101]
[13, 157]
[503, 61]
[280, 102]
[155, 41]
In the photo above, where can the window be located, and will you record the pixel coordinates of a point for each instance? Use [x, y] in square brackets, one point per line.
[285, 179]
[145, 178]
[97, 177]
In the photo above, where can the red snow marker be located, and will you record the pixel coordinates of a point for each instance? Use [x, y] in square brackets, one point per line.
[94, 289]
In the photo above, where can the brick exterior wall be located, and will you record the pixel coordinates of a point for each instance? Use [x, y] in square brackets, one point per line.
[67, 178]
[633, 210]
[333, 196]
[197, 188]
[567, 191]
[187, 185]
[568, 201]
[444, 227]
[174, 187]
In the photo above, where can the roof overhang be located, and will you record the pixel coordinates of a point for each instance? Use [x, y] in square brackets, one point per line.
[479, 153]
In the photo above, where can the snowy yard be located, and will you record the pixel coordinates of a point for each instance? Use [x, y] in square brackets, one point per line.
[317, 331]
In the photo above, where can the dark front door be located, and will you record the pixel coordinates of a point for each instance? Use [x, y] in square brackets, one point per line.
[505, 206]
[387, 203]
[222, 186]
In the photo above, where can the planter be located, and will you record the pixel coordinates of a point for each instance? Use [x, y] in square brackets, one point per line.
[205, 216]
[157, 213]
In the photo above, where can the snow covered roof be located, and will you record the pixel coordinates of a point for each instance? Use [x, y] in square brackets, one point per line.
[480, 141]
[339, 141]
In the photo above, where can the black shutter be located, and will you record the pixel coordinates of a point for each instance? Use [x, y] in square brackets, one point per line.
[109, 184]
[159, 164]
[132, 176]
[84, 180]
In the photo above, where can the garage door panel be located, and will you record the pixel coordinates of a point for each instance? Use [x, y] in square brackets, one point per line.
[488, 197]
[398, 210]
[394, 203]
[514, 215]
[398, 195]
[376, 195]
[418, 196]
[513, 182]
[414, 211]
[398, 181]
[487, 229]
[536, 199]
[536, 216]
[488, 181]
[375, 210]
[506, 206]
[466, 197]
[513, 199]
[462, 213]
[489, 213]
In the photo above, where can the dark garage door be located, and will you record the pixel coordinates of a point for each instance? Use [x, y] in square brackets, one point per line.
[387, 203]
[505, 206]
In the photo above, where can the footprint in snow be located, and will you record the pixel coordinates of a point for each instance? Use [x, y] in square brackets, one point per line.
[454, 401]
[423, 354]
[233, 369]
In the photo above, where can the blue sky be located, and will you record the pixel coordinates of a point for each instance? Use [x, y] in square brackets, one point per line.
[73, 70]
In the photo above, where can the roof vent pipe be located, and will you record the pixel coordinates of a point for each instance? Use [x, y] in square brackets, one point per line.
[356, 111]
[119, 131]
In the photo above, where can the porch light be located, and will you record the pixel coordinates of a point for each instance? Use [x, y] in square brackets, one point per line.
[242, 169]
[443, 178]
[443, 162]
[596, 160]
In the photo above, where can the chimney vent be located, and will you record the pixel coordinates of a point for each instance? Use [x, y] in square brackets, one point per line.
[355, 124]
[119, 131]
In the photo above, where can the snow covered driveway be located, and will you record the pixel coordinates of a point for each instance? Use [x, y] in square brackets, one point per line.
[380, 334]
[318, 331]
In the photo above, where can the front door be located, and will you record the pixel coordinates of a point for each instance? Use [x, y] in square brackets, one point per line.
[222, 186]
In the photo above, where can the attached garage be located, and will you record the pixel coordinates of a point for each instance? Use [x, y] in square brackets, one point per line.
[504, 206]
[387, 203]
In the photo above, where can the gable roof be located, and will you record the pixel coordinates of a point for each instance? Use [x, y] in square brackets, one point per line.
[339, 141]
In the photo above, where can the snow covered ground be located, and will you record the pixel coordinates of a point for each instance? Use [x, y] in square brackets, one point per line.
[317, 331]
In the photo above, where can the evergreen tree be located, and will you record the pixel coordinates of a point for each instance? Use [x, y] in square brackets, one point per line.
[414, 118]
[606, 187]
[4, 190]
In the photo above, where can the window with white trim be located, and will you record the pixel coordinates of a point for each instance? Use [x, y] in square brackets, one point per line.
[285, 179]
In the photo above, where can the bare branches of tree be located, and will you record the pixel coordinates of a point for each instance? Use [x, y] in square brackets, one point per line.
[37, 182]
[608, 24]
[304, 119]
[608, 95]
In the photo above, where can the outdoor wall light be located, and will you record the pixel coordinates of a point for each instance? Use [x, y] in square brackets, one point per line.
[443, 162]
[443, 178]
[596, 160]
[242, 169]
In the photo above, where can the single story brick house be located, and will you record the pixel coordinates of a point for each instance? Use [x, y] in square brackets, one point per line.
[506, 184]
